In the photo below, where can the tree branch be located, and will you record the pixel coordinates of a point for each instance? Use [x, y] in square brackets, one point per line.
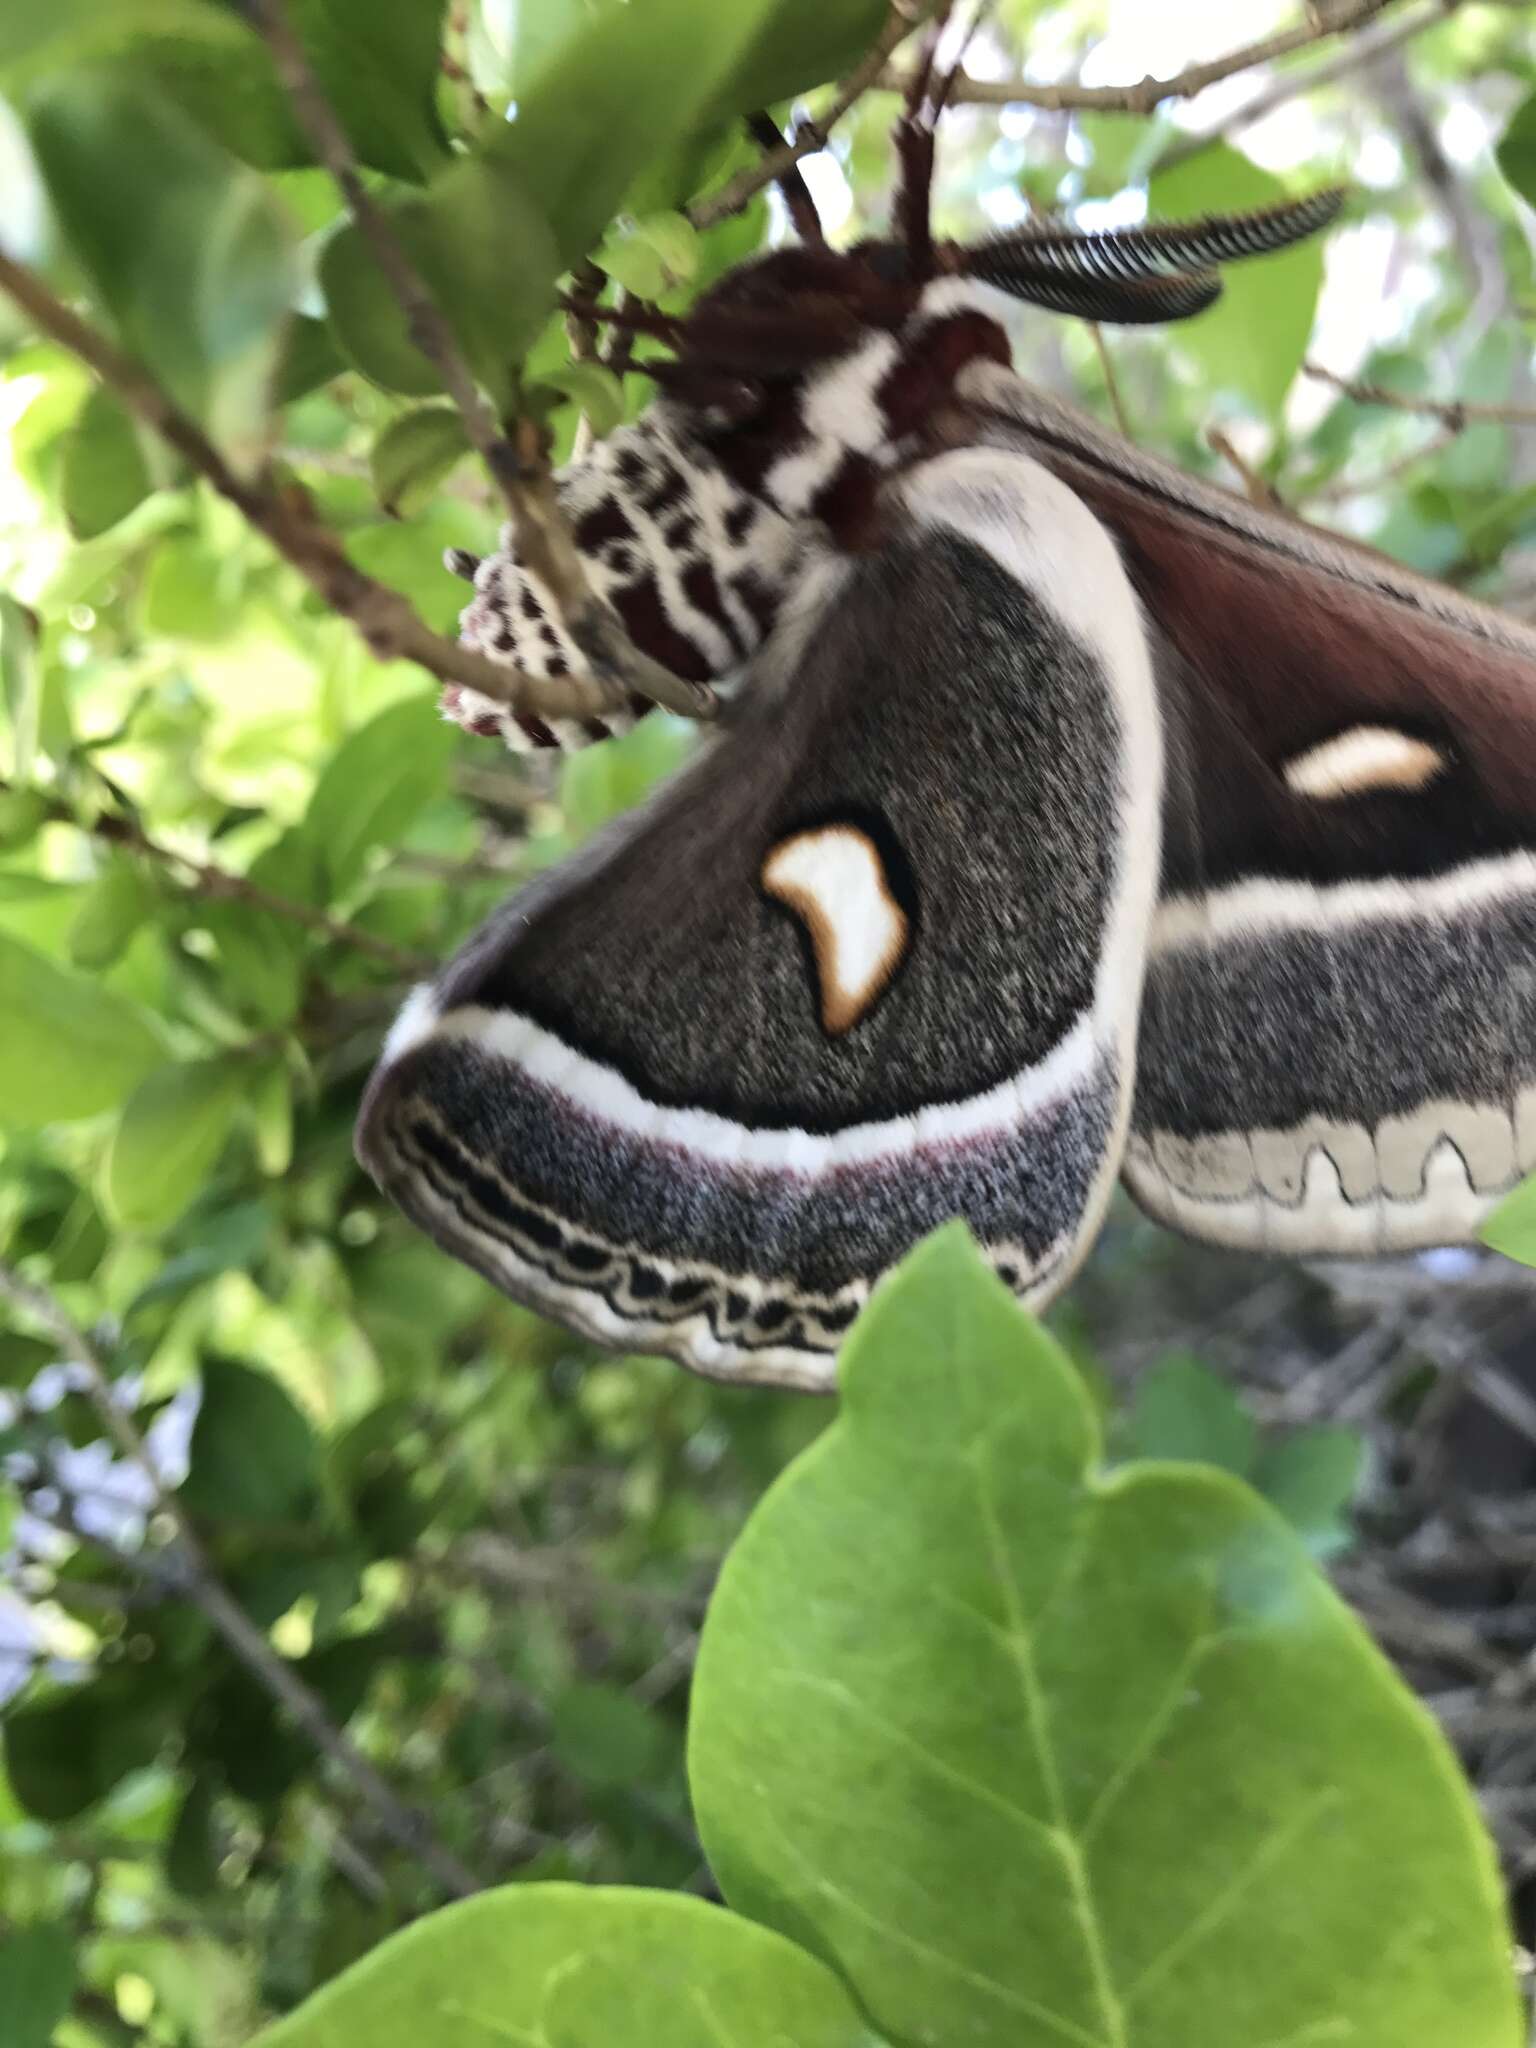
[1367, 48]
[1455, 414]
[1148, 94]
[409, 1829]
[541, 534]
[386, 620]
[224, 885]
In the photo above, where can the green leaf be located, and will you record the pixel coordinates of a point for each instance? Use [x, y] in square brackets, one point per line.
[190, 593]
[66, 1753]
[593, 390]
[802, 43]
[172, 1132]
[597, 83]
[651, 256]
[111, 914]
[105, 470]
[1517, 150]
[601, 782]
[187, 248]
[272, 1109]
[567, 1966]
[66, 33]
[1511, 1229]
[1183, 1410]
[37, 1982]
[20, 682]
[1033, 1755]
[1311, 1477]
[192, 1851]
[607, 1736]
[1253, 339]
[68, 1047]
[486, 255]
[377, 63]
[374, 786]
[254, 1456]
[413, 455]
[23, 814]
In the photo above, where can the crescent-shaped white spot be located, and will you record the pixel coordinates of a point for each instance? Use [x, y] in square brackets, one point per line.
[1365, 757]
[833, 878]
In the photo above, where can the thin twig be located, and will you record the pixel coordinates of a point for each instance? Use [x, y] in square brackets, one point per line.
[1257, 489]
[1347, 487]
[428, 327]
[1111, 378]
[810, 136]
[385, 618]
[223, 884]
[540, 532]
[1367, 48]
[1455, 414]
[796, 194]
[409, 1829]
[1147, 94]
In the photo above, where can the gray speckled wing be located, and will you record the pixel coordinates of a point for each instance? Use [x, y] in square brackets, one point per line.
[1338, 1042]
[872, 961]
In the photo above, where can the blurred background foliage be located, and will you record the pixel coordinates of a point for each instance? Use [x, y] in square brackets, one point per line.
[230, 839]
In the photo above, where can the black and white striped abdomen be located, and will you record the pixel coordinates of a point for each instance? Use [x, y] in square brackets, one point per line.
[694, 565]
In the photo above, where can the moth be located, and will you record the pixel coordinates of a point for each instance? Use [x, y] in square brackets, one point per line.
[1069, 818]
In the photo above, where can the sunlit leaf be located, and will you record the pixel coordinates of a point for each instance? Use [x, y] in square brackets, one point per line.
[172, 1131]
[574, 1967]
[1111, 1744]
[68, 1047]
[112, 914]
[186, 248]
[374, 785]
[414, 454]
[1511, 1229]
[486, 254]
[105, 470]
[1253, 339]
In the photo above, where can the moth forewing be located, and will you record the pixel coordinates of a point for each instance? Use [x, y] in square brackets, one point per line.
[638, 1103]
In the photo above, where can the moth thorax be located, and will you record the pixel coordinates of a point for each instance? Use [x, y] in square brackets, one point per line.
[693, 563]
[833, 437]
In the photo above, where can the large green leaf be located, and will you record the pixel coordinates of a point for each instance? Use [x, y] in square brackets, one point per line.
[187, 248]
[487, 255]
[1036, 1756]
[1253, 339]
[172, 1132]
[561, 1966]
[68, 1047]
